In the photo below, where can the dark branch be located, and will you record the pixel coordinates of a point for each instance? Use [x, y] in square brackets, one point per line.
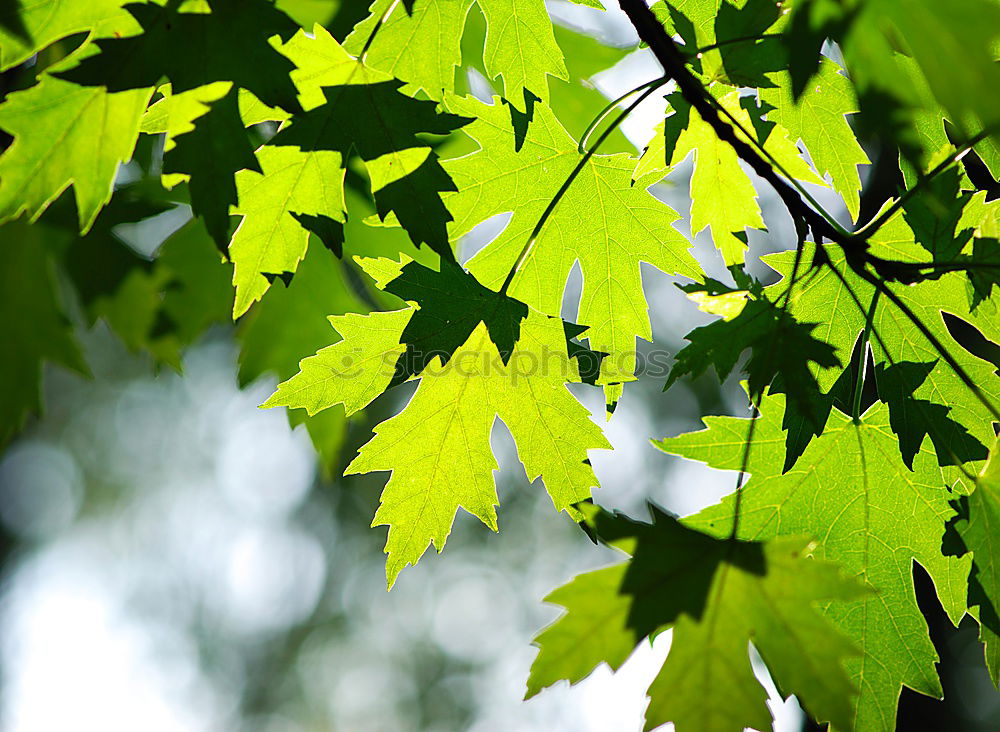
[673, 62]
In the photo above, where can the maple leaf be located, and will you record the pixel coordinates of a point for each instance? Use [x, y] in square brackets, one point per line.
[778, 345]
[824, 299]
[421, 47]
[521, 49]
[819, 118]
[381, 125]
[454, 409]
[450, 304]
[745, 51]
[26, 29]
[912, 419]
[717, 595]
[270, 239]
[65, 134]
[847, 490]
[603, 222]
[231, 43]
[939, 39]
[354, 370]
[717, 168]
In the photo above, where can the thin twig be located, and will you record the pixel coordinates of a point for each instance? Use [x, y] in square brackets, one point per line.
[655, 84]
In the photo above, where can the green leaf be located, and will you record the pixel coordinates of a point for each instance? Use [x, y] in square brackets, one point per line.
[28, 27]
[381, 125]
[210, 156]
[819, 119]
[718, 595]
[742, 58]
[450, 304]
[301, 189]
[942, 39]
[354, 370]
[603, 221]
[421, 47]
[824, 299]
[231, 43]
[778, 345]
[717, 168]
[36, 329]
[450, 465]
[65, 134]
[913, 419]
[848, 491]
[270, 240]
[521, 49]
[453, 410]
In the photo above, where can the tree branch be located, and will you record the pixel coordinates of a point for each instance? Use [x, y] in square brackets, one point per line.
[855, 247]
[673, 62]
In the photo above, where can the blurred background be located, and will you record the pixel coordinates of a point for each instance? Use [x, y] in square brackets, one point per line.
[175, 558]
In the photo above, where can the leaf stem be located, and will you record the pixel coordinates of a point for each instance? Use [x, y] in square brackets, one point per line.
[371, 36]
[655, 84]
[859, 380]
[532, 238]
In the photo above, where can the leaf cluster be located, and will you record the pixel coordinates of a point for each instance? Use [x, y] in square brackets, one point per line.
[332, 175]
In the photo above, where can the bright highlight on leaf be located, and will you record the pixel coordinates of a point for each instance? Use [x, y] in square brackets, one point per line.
[603, 222]
[95, 131]
[438, 446]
